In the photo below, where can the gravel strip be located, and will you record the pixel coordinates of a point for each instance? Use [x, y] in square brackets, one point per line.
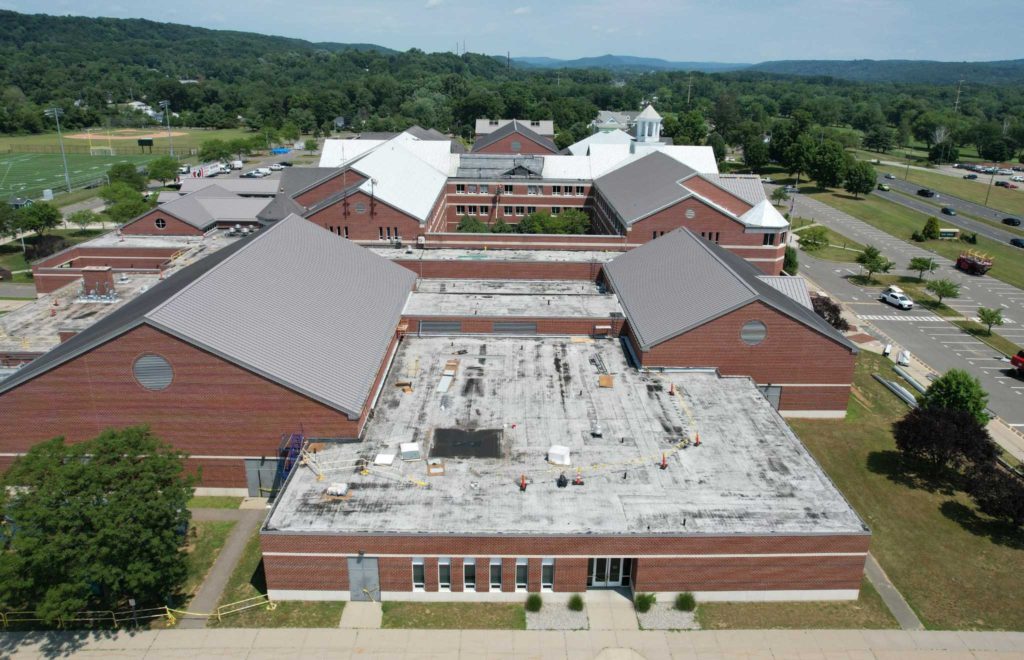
[557, 616]
[662, 616]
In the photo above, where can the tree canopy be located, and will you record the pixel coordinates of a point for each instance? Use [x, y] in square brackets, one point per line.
[957, 390]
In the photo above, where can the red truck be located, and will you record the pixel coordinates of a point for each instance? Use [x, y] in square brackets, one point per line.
[1017, 362]
[974, 263]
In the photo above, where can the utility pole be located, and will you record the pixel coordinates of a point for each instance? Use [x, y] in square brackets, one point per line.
[991, 181]
[56, 113]
[956, 101]
[166, 105]
[689, 86]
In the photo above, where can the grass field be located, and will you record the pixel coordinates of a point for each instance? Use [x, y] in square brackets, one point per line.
[868, 612]
[191, 139]
[957, 568]
[27, 175]
[214, 502]
[839, 248]
[454, 616]
[1003, 199]
[901, 222]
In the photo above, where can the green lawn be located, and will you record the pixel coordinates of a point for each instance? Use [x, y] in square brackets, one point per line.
[206, 538]
[868, 611]
[214, 502]
[28, 174]
[248, 581]
[12, 258]
[191, 140]
[957, 568]
[839, 248]
[453, 616]
[902, 222]
[1004, 199]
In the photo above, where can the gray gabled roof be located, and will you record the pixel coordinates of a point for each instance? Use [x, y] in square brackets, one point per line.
[280, 208]
[679, 282]
[294, 304]
[301, 306]
[298, 179]
[514, 126]
[644, 186]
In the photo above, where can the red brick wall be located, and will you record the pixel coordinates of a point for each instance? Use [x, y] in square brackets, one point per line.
[483, 574]
[504, 146]
[545, 326]
[533, 574]
[311, 573]
[430, 574]
[710, 191]
[505, 270]
[364, 226]
[791, 353]
[570, 574]
[747, 573]
[395, 573]
[145, 225]
[329, 187]
[508, 574]
[527, 241]
[458, 576]
[106, 256]
[47, 282]
[14, 359]
[706, 219]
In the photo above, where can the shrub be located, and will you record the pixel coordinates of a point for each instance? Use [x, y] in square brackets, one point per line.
[576, 603]
[534, 603]
[685, 602]
[643, 602]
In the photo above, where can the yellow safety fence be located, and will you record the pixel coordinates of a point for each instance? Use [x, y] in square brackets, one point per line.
[120, 619]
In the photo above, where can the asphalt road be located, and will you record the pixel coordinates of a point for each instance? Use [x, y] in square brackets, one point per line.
[933, 206]
[935, 341]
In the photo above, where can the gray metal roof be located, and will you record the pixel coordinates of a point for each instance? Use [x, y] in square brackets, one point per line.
[280, 208]
[266, 186]
[794, 287]
[436, 135]
[515, 126]
[297, 179]
[679, 281]
[307, 309]
[747, 187]
[207, 206]
[541, 126]
[497, 166]
[644, 186]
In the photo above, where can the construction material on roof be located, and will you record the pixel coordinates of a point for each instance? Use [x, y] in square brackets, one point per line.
[559, 455]
[499, 166]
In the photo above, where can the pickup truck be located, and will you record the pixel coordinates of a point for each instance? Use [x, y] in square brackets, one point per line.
[1017, 362]
[895, 297]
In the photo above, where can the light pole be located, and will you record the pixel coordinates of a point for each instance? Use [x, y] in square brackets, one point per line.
[56, 113]
[990, 182]
[166, 106]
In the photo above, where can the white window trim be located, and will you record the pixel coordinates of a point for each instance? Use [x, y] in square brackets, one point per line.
[522, 561]
[548, 561]
[494, 562]
[444, 561]
[469, 561]
[418, 561]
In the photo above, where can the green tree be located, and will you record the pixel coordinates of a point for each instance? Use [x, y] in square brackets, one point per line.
[239, 147]
[944, 152]
[163, 169]
[572, 221]
[813, 238]
[943, 436]
[944, 288]
[872, 260]
[123, 202]
[999, 494]
[827, 165]
[798, 155]
[214, 150]
[718, 145]
[957, 390]
[990, 317]
[83, 219]
[470, 225]
[860, 178]
[779, 196]
[39, 218]
[922, 265]
[128, 174]
[499, 226]
[692, 128]
[878, 138]
[310, 145]
[8, 221]
[755, 154]
[790, 262]
[98, 522]
[931, 229]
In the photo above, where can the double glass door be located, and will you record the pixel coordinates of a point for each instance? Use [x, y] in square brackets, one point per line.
[603, 572]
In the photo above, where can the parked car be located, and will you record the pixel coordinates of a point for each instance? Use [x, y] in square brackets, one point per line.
[1012, 186]
[971, 176]
[884, 186]
[1013, 222]
[1017, 242]
[286, 163]
[1002, 184]
[792, 189]
[277, 167]
[927, 192]
[894, 296]
[1004, 170]
[890, 176]
[765, 179]
[948, 210]
[248, 175]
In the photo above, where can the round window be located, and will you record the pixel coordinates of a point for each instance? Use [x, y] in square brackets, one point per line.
[690, 214]
[160, 223]
[153, 372]
[360, 208]
[753, 332]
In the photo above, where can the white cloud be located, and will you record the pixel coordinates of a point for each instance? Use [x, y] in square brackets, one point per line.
[520, 11]
[433, 4]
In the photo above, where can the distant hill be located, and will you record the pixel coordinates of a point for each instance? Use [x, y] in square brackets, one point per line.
[626, 63]
[1007, 72]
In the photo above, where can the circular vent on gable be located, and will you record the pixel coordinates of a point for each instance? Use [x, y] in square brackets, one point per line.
[690, 214]
[153, 372]
[753, 332]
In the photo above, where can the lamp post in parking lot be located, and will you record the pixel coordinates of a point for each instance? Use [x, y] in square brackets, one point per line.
[56, 114]
[166, 107]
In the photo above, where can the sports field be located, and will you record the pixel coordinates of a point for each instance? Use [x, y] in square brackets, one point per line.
[27, 175]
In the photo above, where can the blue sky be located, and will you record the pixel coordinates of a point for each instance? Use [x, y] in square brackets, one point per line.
[686, 30]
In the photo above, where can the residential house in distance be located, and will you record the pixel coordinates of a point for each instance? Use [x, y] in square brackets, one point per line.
[613, 120]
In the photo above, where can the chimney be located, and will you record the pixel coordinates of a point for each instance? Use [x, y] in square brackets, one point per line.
[99, 279]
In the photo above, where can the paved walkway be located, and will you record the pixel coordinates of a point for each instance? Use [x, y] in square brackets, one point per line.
[359, 615]
[891, 596]
[611, 609]
[209, 593]
[296, 644]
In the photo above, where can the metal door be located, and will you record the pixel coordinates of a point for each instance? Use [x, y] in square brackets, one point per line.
[261, 476]
[773, 393]
[363, 578]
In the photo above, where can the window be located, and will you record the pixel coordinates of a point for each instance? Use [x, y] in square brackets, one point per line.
[483, 188]
[346, 231]
[556, 190]
[520, 210]
[460, 209]
[579, 190]
[531, 209]
[521, 573]
[768, 239]
[472, 209]
[532, 190]
[516, 146]
[160, 223]
[153, 372]
[381, 230]
[493, 122]
[716, 237]
[469, 574]
[460, 188]
[782, 238]
[484, 210]
[495, 573]
[360, 208]
[472, 189]
[534, 122]
[509, 189]
[395, 229]
[444, 574]
[753, 332]
[555, 210]
[508, 211]
[418, 576]
[547, 574]
[389, 232]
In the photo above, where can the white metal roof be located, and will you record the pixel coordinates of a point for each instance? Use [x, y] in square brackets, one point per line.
[765, 216]
[400, 178]
[648, 113]
[336, 152]
[567, 167]
[582, 148]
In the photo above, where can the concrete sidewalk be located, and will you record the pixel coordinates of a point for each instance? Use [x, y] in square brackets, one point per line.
[333, 643]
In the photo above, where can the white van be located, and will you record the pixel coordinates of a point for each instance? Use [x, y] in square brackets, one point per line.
[237, 165]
